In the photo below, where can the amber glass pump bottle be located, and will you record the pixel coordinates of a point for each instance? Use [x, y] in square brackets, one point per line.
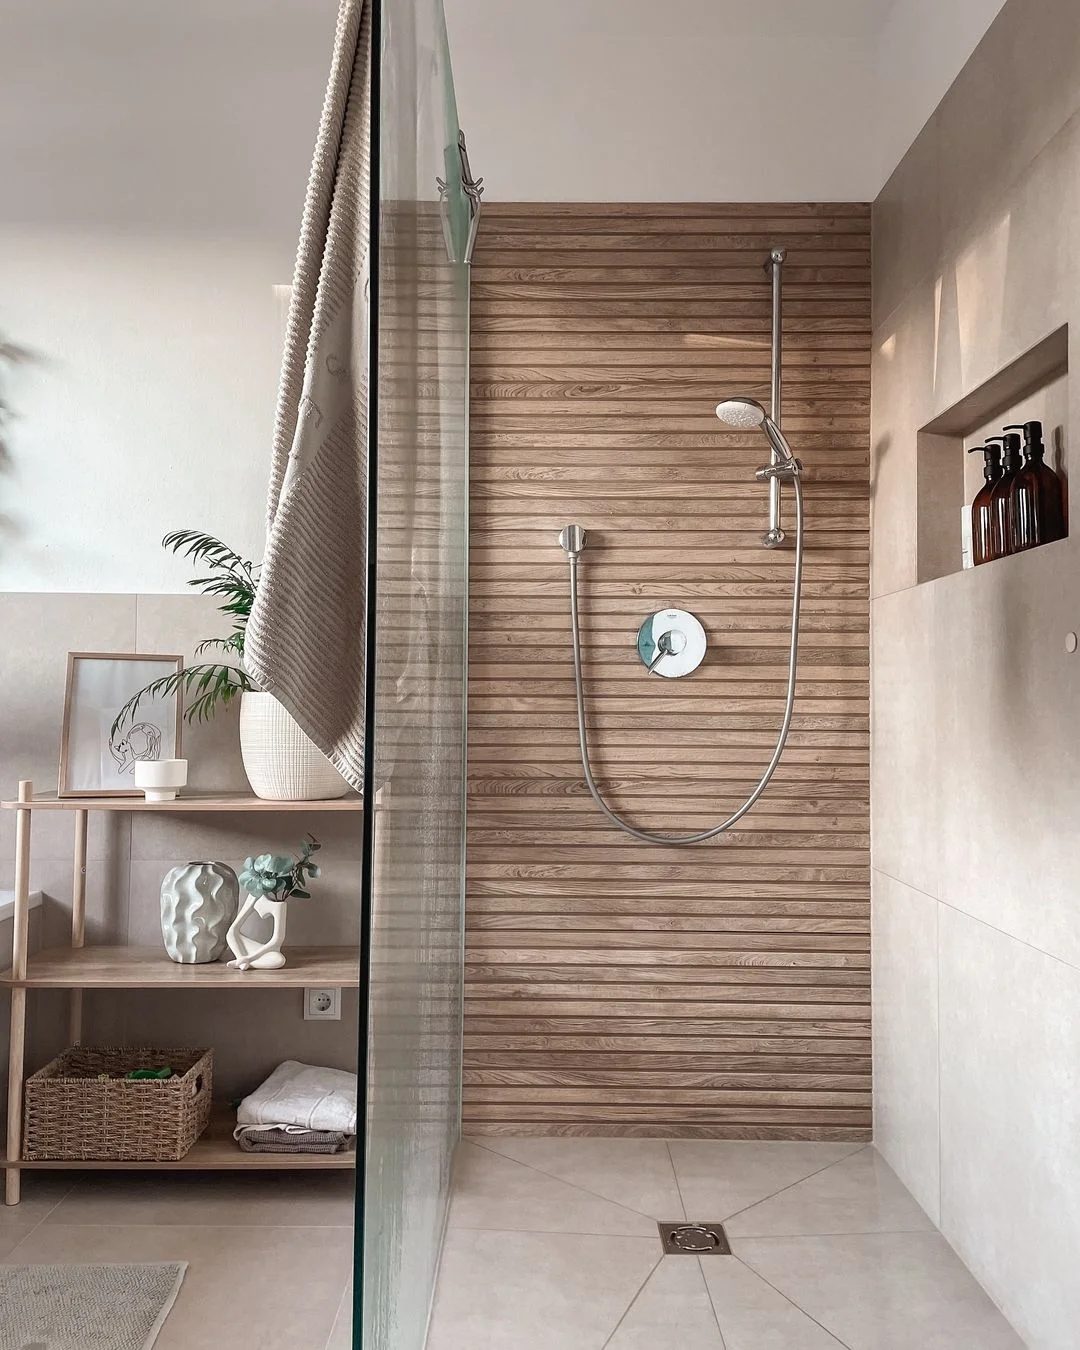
[982, 527]
[1001, 495]
[1037, 508]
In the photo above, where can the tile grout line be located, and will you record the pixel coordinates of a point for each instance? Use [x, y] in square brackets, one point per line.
[712, 1305]
[343, 1304]
[556, 1232]
[816, 1173]
[47, 1215]
[678, 1185]
[937, 1059]
[572, 1184]
[797, 1306]
[845, 1233]
[629, 1306]
[975, 918]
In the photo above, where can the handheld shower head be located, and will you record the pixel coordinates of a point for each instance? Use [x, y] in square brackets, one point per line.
[745, 414]
[742, 414]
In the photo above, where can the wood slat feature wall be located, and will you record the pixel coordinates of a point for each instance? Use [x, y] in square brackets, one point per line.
[615, 987]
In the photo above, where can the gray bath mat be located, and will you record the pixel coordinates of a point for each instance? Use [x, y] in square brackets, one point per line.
[76, 1307]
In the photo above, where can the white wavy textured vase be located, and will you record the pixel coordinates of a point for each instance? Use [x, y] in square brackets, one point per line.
[281, 762]
[199, 901]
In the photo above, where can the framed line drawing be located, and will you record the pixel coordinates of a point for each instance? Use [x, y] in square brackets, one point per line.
[94, 762]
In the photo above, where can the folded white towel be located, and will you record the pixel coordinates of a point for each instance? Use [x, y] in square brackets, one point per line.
[301, 1096]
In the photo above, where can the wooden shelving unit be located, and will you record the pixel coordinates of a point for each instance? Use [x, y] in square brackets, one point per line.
[150, 968]
[78, 967]
[214, 1151]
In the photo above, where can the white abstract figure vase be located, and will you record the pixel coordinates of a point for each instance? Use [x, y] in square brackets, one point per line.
[253, 953]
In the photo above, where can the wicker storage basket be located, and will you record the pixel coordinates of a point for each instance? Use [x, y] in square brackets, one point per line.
[71, 1113]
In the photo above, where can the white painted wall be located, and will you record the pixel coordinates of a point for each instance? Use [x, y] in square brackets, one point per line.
[689, 100]
[152, 166]
[922, 46]
[153, 159]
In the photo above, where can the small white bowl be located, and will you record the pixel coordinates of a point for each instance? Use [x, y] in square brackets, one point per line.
[160, 778]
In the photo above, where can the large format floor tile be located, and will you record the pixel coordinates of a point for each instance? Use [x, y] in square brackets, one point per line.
[719, 1178]
[41, 1193]
[883, 1291]
[637, 1173]
[859, 1194]
[536, 1291]
[341, 1336]
[210, 1199]
[494, 1192]
[673, 1307]
[275, 1288]
[755, 1316]
[830, 1253]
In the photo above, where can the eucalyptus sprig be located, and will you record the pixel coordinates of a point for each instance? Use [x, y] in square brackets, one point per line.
[210, 685]
[281, 877]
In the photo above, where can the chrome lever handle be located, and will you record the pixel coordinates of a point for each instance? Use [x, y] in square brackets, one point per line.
[664, 648]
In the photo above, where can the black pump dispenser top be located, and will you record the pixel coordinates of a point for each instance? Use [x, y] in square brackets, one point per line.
[991, 460]
[1033, 439]
[1011, 444]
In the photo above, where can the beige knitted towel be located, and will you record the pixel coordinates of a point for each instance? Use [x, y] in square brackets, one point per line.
[305, 639]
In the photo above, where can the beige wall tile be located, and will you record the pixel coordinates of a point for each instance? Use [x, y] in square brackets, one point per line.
[1010, 1118]
[905, 991]
[1019, 89]
[975, 794]
[904, 367]
[904, 790]
[330, 917]
[1007, 725]
[179, 623]
[251, 1033]
[907, 225]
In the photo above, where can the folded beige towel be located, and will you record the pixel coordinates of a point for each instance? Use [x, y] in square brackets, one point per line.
[272, 1140]
[305, 639]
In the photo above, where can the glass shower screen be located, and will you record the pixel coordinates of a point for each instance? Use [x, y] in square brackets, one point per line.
[417, 560]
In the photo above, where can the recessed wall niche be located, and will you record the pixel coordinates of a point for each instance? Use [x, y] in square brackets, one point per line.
[1035, 386]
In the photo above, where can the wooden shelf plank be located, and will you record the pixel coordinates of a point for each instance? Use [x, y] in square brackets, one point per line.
[150, 968]
[233, 801]
[216, 1151]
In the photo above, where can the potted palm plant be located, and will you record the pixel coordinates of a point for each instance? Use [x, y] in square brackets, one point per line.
[282, 763]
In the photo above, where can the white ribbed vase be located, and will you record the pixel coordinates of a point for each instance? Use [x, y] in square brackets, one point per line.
[199, 901]
[282, 763]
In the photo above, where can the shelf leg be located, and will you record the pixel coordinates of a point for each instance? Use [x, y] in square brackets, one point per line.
[78, 919]
[17, 1036]
[16, 1069]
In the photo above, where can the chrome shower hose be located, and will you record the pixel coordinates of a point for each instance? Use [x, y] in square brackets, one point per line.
[785, 727]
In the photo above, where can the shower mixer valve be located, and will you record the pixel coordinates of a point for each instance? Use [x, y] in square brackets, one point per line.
[671, 643]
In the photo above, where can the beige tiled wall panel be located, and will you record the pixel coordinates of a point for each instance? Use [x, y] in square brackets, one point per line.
[976, 705]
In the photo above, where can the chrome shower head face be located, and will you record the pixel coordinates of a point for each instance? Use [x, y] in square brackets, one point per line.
[741, 414]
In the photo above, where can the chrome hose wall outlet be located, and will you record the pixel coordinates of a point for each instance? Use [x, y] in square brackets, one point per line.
[572, 538]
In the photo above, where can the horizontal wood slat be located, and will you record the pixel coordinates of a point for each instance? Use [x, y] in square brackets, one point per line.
[719, 991]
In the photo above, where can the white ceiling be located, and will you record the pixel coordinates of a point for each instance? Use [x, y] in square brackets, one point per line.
[702, 99]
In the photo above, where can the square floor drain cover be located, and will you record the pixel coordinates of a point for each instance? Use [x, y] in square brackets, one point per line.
[694, 1239]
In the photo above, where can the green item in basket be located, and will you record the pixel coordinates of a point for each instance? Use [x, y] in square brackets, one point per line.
[139, 1074]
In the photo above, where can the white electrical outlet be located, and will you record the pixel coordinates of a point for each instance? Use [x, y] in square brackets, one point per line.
[322, 1005]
